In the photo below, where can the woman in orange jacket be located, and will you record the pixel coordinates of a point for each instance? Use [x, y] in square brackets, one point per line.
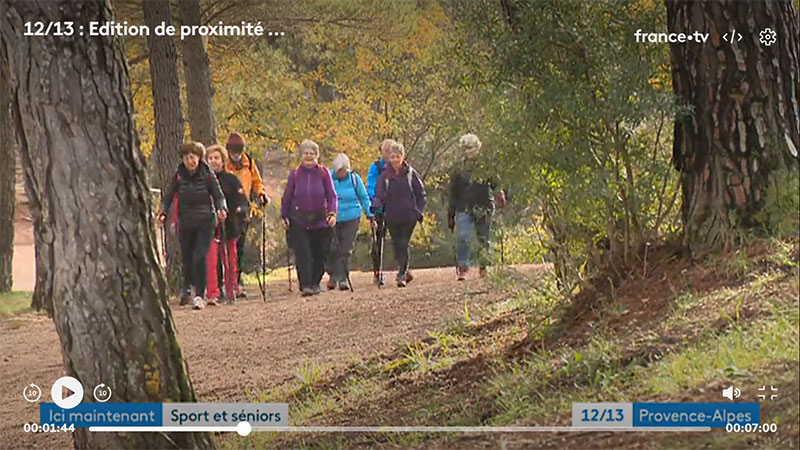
[245, 169]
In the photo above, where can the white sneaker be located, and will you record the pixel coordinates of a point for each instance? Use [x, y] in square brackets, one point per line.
[198, 303]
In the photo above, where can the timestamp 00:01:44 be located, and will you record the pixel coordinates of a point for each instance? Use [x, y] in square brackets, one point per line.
[47, 428]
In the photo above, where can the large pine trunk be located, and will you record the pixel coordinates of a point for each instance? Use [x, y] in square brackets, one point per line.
[71, 103]
[168, 119]
[7, 187]
[197, 75]
[744, 124]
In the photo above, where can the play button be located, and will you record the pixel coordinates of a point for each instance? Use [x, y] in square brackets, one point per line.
[67, 392]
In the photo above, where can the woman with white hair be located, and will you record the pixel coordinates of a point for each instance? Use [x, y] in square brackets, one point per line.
[353, 200]
[400, 198]
[471, 206]
[308, 211]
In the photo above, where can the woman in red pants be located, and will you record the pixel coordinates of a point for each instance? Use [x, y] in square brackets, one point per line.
[223, 246]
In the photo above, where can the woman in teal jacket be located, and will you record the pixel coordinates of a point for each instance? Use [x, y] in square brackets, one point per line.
[353, 200]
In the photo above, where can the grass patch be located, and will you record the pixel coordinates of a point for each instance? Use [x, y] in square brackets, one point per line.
[273, 275]
[744, 332]
[15, 302]
[739, 353]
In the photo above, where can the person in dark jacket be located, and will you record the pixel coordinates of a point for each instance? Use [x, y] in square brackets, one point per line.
[378, 229]
[400, 198]
[471, 207]
[308, 211]
[197, 195]
[224, 245]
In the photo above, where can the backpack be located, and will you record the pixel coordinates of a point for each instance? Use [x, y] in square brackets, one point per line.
[320, 170]
[378, 165]
[409, 178]
[353, 180]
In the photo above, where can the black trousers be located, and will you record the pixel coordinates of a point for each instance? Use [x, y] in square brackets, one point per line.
[310, 252]
[401, 237]
[240, 249]
[195, 241]
[379, 235]
[344, 234]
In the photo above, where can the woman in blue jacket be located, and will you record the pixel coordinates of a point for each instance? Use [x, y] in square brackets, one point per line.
[353, 200]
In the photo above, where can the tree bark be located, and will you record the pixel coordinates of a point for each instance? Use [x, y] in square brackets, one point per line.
[168, 118]
[8, 169]
[197, 75]
[71, 105]
[745, 123]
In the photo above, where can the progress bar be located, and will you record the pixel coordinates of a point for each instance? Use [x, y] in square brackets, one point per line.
[244, 429]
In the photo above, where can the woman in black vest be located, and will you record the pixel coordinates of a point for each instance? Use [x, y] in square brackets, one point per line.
[197, 194]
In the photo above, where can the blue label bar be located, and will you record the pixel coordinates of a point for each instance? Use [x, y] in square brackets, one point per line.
[102, 414]
[714, 415]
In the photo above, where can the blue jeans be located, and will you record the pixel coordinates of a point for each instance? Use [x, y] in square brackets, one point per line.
[466, 224]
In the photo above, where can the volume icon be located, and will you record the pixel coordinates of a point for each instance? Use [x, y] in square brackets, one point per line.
[730, 393]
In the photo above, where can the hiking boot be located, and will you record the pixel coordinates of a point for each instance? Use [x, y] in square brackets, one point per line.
[343, 286]
[198, 303]
[186, 297]
[331, 285]
[306, 292]
[409, 277]
[483, 273]
[401, 280]
[212, 302]
[379, 280]
[315, 290]
[240, 293]
[461, 273]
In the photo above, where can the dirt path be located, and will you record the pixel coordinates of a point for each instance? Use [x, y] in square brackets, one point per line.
[234, 350]
[23, 264]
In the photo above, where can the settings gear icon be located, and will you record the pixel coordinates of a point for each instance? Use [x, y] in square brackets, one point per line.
[767, 37]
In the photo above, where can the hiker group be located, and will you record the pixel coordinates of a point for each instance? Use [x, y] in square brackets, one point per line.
[321, 210]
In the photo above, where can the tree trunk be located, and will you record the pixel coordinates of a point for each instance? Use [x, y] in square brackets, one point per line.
[71, 103]
[744, 127]
[168, 118]
[197, 75]
[8, 171]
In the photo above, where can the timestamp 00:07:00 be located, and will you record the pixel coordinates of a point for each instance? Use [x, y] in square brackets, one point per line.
[751, 427]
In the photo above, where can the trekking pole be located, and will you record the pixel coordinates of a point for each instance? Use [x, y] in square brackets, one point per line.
[163, 229]
[288, 260]
[381, 235]
[346, 265]
[263, 286]
[224, 255]
[261, 282]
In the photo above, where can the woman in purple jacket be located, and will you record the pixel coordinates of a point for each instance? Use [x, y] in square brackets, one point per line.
[308, 211]
[400, 198]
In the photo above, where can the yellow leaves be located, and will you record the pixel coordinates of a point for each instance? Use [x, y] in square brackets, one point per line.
[366, 61]
[143, 106]
[289, 145]
[661, 79]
